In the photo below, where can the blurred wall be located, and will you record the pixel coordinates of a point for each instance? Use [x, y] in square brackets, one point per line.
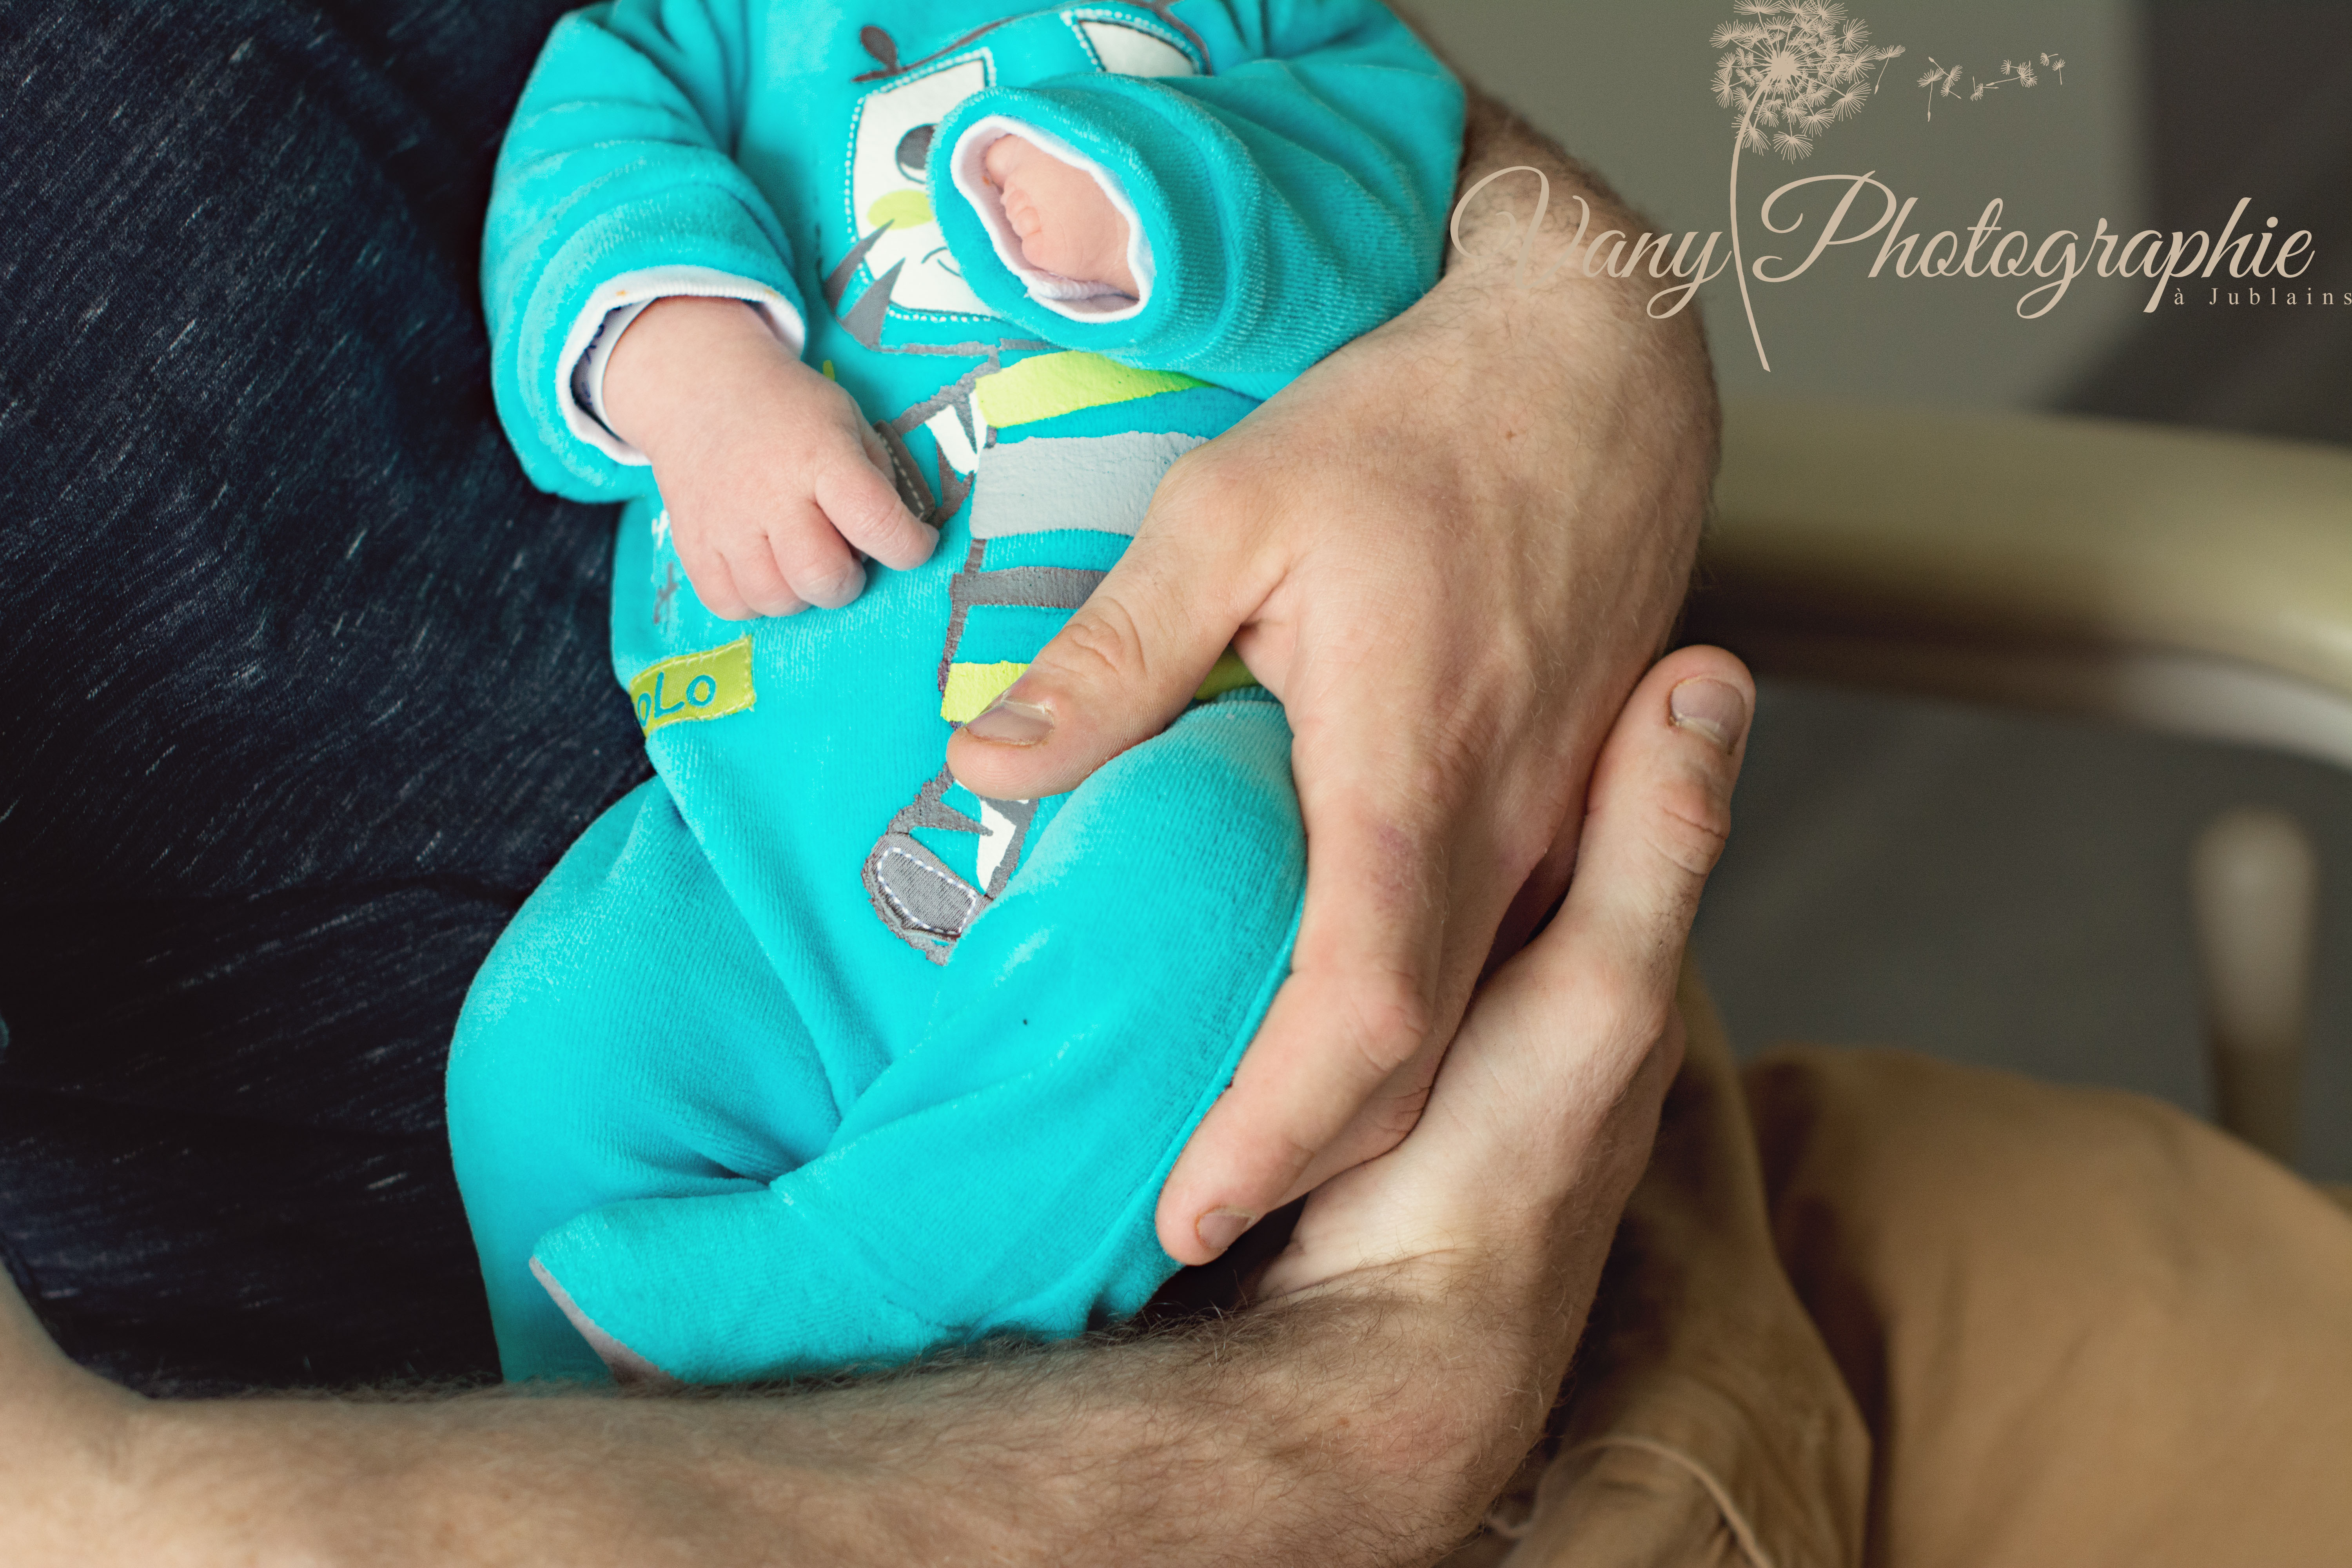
[1625, 88]
[1993, 887]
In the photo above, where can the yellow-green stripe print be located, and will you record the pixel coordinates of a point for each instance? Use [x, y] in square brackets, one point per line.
[1044, 386]
[973, 687]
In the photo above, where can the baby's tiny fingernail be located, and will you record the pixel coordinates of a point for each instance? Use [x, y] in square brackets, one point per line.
[838, 590]
[1220, 1228]
[1714, 710]
[1010, 723]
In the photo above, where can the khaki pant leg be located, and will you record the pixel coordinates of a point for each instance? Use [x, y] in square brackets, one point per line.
[2084, 1328]
[1707, 1425]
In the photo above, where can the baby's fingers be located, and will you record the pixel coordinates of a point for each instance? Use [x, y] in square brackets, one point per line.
[805, 554]
[714, 585]
[856, 495]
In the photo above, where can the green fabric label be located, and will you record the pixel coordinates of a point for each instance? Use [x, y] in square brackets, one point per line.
[706, 685]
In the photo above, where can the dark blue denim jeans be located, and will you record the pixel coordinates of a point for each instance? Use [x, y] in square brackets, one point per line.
[302, 686]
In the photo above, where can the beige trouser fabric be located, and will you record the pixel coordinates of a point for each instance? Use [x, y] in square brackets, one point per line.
[1884, 1310]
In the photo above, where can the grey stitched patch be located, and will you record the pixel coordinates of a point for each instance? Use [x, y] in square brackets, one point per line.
[917, 894]
[1098, 482]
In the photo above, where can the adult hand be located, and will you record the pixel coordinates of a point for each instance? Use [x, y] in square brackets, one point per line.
[1449, 549]
[1541, 1118]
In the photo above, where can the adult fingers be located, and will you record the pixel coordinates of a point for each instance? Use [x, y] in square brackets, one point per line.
[1339, 1069]
[1336, 1073]
[1119, 670]
[1564, 1053]
[1657, 815]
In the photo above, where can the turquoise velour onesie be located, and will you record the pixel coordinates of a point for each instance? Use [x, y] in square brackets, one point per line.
[804, 1056]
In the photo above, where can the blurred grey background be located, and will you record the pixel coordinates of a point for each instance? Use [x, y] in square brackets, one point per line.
[1983, 885]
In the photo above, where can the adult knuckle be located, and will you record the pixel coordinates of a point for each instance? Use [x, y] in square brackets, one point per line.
[1100, 644]
[1389, 1015]
[1391, 1116]
[1625, 1008]
[1221, 480]
[1283, 1148]
[1454, 758]
[1690, 826]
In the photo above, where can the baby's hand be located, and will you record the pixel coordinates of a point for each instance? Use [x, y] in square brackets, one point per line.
[1065, 223]
[773, 480]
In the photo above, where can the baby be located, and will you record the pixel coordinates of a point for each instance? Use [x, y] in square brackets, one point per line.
[804, 1056]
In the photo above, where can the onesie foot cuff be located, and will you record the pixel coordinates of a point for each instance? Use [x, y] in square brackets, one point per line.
[738, 1287]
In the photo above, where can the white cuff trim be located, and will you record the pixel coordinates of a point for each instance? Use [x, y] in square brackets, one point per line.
[618, 301]
[1080, 301]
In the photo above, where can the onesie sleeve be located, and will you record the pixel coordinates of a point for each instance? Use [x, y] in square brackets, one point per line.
[615, 187]
[1285, 204]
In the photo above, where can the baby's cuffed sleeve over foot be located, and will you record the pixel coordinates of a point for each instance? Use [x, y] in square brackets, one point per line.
[1284, 204]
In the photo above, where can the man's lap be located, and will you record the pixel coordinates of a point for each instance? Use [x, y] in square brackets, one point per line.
[306, 687]
[1881, 1308]
[2082, 1326]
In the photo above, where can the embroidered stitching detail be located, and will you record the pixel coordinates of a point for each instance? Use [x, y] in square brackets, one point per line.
[922, 903]
[918, 896]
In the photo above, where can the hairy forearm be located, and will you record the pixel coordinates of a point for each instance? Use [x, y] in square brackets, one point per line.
[1351, 1428]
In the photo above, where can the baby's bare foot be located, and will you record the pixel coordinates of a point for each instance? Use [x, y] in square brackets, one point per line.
[1066, 222]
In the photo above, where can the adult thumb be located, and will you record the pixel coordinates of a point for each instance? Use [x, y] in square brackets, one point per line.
[1126, 664]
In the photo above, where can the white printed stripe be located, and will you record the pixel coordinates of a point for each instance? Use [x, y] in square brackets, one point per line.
[1103, 483]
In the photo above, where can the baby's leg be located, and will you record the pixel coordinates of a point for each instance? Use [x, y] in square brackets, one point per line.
[626, 1040]
[1003, 1173]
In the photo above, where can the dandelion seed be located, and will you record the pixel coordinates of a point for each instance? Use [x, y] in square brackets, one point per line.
[1939, 80]
[1790, 69]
